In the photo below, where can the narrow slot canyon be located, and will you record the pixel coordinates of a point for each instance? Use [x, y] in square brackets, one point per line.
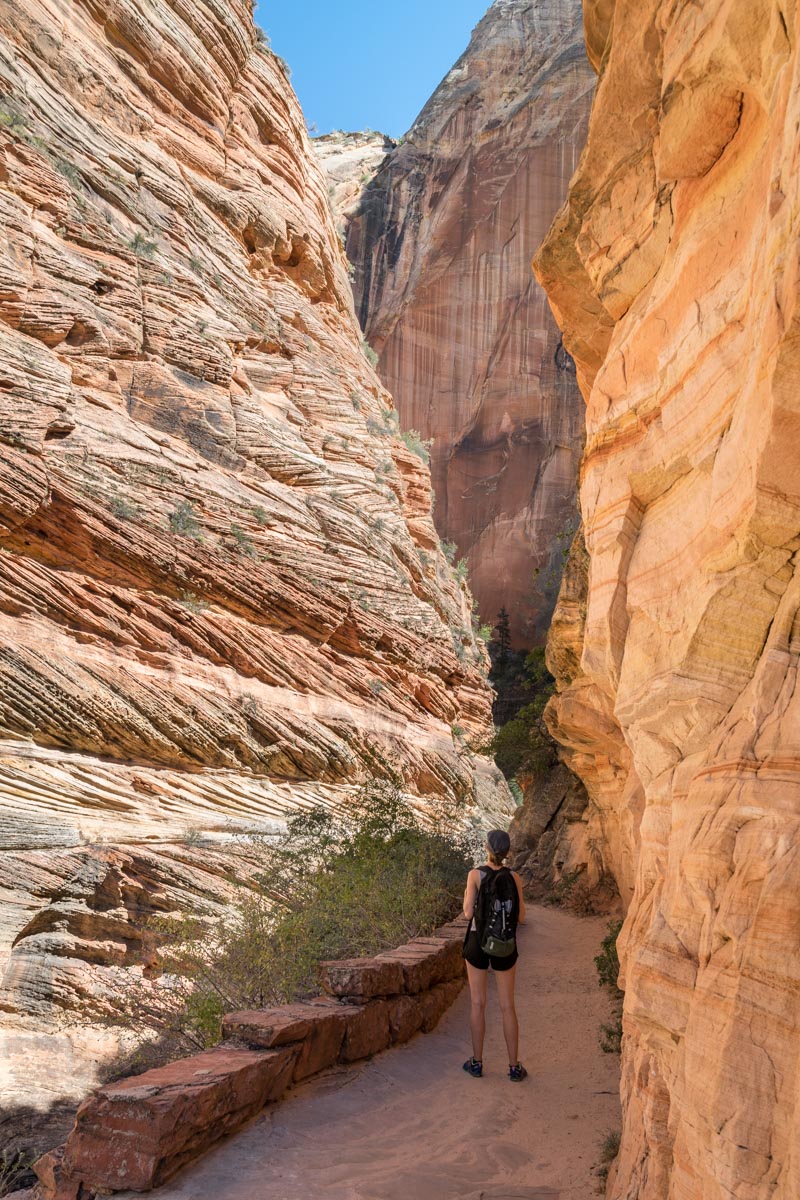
[378, 491]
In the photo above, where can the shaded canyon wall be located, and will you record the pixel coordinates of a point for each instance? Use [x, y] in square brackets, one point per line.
[222, 596]
[441, 247]
[673, 273]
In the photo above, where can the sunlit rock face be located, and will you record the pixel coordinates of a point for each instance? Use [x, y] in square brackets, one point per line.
[221, 593]
[350, 161]
[441, 248]
[673, 272]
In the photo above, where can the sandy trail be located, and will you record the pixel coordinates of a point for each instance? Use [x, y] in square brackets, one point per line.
[411, 1125]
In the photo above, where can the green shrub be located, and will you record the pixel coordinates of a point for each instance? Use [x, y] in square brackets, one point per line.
[335, 886]
[193, 602]
[242, 544]
[609, 1035]
[122, 509]
[416, 445]
[142, 247]
[610, 1147]
[183, 521]
[70, 172]
[369, 353]
[609, 1150]
[16, 1170]
[607, 961]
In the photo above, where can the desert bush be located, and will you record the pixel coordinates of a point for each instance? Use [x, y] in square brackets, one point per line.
[240, 543]
[142, 246]
[335, 886]
[607, 965]
[610, 1147]
[416, 444]
[609, 1150]
[15, 1170]
[193, 602]
[122, 509]
[184, 521]
[607, 961]
[369, 353]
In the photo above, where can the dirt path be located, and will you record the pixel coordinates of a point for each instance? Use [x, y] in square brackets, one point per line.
[411, 1125]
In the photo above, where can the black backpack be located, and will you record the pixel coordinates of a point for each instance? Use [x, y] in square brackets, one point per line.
[497, 912]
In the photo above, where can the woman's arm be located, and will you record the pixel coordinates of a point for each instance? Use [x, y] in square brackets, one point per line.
[518, 882]
[471, 892]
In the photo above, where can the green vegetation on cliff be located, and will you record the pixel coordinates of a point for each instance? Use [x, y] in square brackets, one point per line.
[337, 885]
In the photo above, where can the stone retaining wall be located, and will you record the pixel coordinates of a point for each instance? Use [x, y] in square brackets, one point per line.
[134, 1134]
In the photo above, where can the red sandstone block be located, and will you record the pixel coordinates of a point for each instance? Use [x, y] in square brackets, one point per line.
[271, 1026]
[367, 1031]
[418, 966]
[426, 961]
[136, 1133]
[453, 930]
[436, 1002]
[54, 1181]
[361, 978]
[405, 1017]
[318, 1028]
[448, 961]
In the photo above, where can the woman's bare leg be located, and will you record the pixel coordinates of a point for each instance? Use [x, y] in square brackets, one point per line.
[477, 1009]
[505, 995]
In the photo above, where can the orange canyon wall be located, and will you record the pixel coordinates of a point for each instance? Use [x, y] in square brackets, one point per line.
[673, 272]
[441, 245]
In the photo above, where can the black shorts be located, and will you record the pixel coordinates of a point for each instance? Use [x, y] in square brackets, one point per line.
[478, 958]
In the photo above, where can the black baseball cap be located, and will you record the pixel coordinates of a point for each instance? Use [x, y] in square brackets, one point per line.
[498, 842]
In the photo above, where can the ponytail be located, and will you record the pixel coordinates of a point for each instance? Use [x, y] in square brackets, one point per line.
[495, 860]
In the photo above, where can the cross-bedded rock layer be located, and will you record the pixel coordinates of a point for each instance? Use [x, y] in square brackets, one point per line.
[441, 248]
[673, 271]
[221, 593]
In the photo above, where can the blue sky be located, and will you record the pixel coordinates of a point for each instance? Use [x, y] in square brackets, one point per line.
[358, 65]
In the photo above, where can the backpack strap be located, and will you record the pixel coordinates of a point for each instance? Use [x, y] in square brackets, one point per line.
[484, 873]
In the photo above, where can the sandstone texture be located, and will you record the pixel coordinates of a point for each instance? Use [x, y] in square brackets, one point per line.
[673, 272]
[222, 596]
[350, 162]
[441, 247]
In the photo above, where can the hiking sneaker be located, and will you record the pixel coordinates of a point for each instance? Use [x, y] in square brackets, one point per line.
[474, 1067]
[517, 1074]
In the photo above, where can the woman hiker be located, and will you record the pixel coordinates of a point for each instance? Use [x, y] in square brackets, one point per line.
[494, 906]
